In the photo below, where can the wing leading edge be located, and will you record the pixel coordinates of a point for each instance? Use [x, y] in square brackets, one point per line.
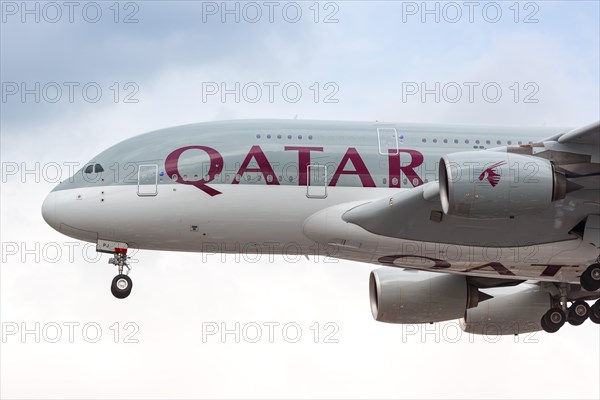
[589, 135]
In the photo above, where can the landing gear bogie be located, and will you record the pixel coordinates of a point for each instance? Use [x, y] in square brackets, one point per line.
[575, 315]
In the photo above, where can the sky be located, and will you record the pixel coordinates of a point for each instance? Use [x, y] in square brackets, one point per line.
[80, 77]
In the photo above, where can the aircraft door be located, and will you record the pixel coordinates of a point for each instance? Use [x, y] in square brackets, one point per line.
[388, 141]
[316, 186]
[148, 180]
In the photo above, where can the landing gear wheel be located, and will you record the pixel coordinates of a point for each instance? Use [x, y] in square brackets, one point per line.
[590, 279]
[121, 286]
[553, 320]
[578, 312]
[595, 312]
[545, 326]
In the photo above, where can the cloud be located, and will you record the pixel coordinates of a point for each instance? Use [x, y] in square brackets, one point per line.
[172, 55]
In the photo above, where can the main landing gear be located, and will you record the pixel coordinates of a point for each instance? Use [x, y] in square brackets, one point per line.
[590, 279]
[553, 320]
[576, 314]
[595, 312]
[121, 284]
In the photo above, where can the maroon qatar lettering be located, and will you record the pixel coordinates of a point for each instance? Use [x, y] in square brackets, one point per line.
[496, 267]
[551, 269]
[264, 167]
[392, 260]
[258, 157]
[395, 168]
[360, 169]
[303, 161]
[216, 166]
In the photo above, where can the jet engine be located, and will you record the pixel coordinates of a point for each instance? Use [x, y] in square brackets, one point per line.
[510, 314]
[396, 300]
[488, 184]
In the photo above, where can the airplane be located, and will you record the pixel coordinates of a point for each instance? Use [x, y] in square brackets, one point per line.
[482, 207]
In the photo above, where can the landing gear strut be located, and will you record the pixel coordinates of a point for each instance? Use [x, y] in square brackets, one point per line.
[121, 284]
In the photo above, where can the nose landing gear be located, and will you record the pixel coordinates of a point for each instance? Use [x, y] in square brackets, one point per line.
[121, 284]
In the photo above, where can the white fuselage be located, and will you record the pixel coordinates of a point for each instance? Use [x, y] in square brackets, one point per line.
[272, 220]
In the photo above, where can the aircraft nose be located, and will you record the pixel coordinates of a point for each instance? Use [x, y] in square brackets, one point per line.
[49, 210]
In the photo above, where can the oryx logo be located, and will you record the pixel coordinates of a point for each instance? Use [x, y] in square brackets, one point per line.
[492, 176]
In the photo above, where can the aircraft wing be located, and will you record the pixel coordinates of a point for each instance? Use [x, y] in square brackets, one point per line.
[418, 214]
[589, 135]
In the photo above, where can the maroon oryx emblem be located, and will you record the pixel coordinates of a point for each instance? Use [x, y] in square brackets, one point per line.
[492, 176]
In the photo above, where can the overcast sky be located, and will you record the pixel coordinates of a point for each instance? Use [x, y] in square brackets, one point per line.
[155, 64]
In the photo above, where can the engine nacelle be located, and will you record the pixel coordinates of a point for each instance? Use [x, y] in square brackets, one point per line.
[396, 300]
[488, 184]
[509, 314]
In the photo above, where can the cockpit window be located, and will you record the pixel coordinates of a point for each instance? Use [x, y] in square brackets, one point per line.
[93, 168]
